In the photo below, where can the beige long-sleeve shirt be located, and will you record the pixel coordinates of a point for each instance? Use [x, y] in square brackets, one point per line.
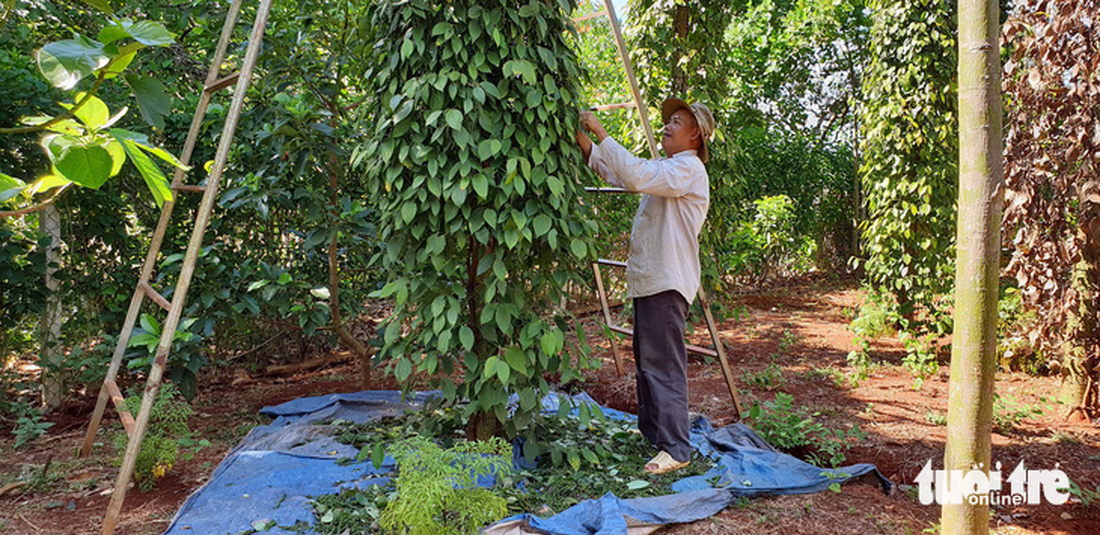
[664, 242]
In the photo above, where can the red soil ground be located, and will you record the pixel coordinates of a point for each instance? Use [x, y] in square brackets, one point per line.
[800, 326]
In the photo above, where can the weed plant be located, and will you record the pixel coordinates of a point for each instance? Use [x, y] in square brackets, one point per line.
[167, 432]
[786, 427]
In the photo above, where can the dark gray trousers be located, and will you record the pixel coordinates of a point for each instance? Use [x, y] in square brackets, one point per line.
[660, 358]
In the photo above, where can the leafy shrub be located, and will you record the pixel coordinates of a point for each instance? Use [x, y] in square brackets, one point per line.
[873, 320]
[1014, 320]
[184, 361]
[436, 487]
[920, 357]
[786, 428]
[160, 446]
[1008, 414]
[29, 426]
[769, 378]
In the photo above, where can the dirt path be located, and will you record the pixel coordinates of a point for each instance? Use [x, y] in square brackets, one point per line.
[799, 329]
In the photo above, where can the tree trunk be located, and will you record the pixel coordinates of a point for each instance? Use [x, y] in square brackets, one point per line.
[978, 239]
[358, 348]
[51, 357]
[1082, 325]
[678, 83]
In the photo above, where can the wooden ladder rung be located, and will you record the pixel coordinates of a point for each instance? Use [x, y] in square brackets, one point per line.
[154, 295]
[616, 106]
[190, 188]
[583, 18]
[222, 83]
[120, 406]
[690, 347]
[612, 263]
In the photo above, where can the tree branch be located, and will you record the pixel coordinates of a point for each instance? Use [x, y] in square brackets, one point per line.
[38, 207]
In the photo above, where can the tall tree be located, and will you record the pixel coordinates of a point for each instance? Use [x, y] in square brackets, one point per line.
[978, 242]
[475, 170]
[1052, 178]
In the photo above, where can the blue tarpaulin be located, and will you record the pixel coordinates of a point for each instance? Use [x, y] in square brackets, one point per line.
[270, 477]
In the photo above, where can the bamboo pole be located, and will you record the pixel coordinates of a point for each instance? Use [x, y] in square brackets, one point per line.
[179, 298]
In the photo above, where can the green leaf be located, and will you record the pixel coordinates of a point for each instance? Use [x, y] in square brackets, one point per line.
[542, 224]
[522, 68]
[94, 113]
[466, 336]
[102, 5]
[403, 369]
[453, 118]
[152, 98]
[89, 166]
[481, 186]
[516, 359]
[142, 141]
[637, 484]
[64, 63]
[408, 211]
[154, 178]
[148, 33]
[378, 455]
[579, 248]
[10, 187]
[491, 367]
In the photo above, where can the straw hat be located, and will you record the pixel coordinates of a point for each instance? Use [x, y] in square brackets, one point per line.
[703, 117]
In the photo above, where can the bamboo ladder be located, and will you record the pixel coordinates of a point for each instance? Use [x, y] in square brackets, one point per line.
[215, 81]
[643, 116]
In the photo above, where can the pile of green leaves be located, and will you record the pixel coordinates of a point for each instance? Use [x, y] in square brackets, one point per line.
[573, 456]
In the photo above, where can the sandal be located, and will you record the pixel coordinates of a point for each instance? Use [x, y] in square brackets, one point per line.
[664, 463]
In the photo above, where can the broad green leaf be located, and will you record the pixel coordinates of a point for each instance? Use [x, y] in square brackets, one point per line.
[403, 369]
[153, 101]
[542, 224]
[454, 119]
[64, 63]
[580, 249]
[148, 33]
[481, 187]
[102, 5]
[142, 141]
[491, 367]
[522, 68]
[466, 336]
[154, 178]
[515, 358]
[44, 184]
[408, 212]
[637, 484]
[110, 34]
[88, 166]
[93, 113]
[10, 187]
[378, 455]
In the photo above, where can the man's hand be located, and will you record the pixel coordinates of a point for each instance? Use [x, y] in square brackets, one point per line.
[592, 124]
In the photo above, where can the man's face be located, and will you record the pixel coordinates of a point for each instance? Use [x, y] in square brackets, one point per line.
[680, 133]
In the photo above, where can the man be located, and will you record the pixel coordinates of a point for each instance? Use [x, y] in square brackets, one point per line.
[662, 273]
